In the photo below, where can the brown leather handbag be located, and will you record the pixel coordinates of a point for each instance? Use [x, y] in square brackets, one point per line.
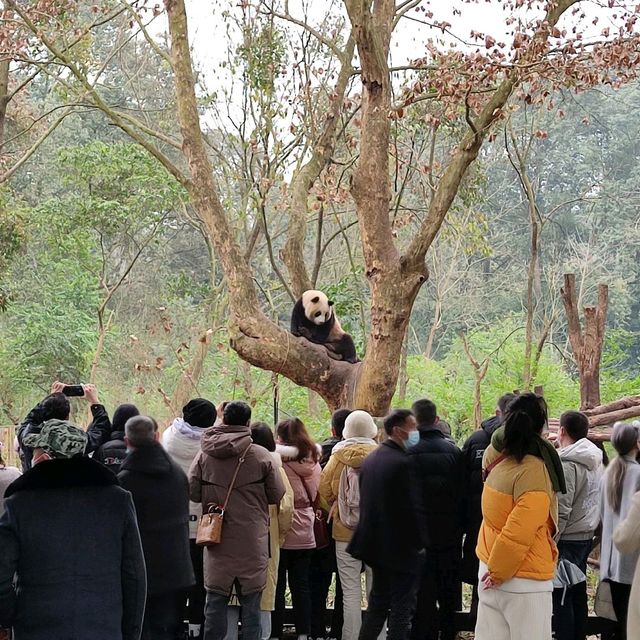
[210, 525]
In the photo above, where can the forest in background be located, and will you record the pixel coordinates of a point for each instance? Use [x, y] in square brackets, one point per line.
[107, 275]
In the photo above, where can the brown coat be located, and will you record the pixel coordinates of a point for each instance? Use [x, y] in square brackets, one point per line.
[243, 553]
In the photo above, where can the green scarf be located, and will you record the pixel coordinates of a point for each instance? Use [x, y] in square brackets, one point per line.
[540, 448]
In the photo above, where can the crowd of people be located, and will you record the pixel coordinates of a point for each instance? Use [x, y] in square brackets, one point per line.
[123, 532]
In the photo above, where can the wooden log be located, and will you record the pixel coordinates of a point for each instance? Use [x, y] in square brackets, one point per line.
[623, 403]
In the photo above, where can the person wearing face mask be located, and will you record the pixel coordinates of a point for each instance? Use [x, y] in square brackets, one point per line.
[390, 536]
[438, 468]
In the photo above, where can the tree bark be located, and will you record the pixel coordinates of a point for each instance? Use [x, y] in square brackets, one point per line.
[4, 96]
[586, 345]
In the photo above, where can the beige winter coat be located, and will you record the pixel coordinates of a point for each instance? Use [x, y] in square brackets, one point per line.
[626, 537]
[243, 553]
[280, 519]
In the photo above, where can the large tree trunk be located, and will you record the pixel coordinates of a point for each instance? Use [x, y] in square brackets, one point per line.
[394, 279]
[586, 345]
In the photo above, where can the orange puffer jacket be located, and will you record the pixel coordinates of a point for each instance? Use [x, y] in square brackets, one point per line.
[519, 519]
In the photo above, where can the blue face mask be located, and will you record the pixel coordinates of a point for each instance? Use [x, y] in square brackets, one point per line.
[412, 440]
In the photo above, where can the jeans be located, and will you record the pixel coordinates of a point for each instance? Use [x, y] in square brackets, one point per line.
[620, 599]
[350, 571]
[294, 565]
[392, 598]
[570, 609]
[163, 616]
[438, 596]
[215, 623]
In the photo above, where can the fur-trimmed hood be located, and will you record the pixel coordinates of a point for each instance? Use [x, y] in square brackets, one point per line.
[288, 452]
[63, 474]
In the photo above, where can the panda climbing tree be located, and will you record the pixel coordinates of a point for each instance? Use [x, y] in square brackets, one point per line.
[314, 318]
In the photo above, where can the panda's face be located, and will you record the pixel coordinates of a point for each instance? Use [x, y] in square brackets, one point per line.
[317, 307]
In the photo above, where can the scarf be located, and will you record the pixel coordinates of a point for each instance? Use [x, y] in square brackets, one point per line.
[540, 448]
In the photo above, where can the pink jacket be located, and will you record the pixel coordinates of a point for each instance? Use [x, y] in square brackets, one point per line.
[305, 479]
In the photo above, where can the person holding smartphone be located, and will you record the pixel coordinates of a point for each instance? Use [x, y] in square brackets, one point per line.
[56, 406]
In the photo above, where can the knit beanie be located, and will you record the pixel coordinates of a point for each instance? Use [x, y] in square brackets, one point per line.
[122, 413]
[199, 413]
[359, 424]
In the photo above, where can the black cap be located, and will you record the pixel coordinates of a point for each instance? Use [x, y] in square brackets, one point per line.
[199, 413]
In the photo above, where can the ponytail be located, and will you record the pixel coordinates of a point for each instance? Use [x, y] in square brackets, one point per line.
[525, 417]
[623, 439]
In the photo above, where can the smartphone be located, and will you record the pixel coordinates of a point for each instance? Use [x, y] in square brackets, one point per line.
[73, 390]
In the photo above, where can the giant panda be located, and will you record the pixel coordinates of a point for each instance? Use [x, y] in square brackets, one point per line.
[313, 318]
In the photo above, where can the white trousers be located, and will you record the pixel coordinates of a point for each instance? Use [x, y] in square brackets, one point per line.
[350, 570]
[513, 616]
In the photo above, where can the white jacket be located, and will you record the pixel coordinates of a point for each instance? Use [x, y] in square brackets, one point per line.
[182, 442]
[579, 508]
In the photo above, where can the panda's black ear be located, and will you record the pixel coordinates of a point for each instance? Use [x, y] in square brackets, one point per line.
[331, 303]
[315, 300]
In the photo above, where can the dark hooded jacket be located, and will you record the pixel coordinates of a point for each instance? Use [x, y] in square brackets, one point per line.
[113, 452]
[69, 536]
[472, 452]
[97, 432]
[243, 553]
[160, 493]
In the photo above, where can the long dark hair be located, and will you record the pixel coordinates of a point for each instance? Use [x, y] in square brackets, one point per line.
[2, 462]
[262, 435]
[294, 432]
[523, 422]
[624, 438]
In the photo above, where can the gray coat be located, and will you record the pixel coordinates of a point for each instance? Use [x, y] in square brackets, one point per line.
[614, 565]
[579, 507]
[243, 553]
[69, 535]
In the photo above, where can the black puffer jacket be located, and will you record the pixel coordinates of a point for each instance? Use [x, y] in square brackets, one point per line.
[438, 472]
[472, 451]
[160, 492]
[112, 454]
[69, 533]
[388, 534]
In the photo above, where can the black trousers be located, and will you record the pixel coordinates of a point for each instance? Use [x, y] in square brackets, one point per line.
[438, 596]
[392, 599]
[570, 608]
[163, 616]
[323, 566]
[620, 599]
[193, 609]
[294, 566]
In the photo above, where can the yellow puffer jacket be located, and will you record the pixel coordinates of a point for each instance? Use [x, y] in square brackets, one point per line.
[352, 455]
[519, 516]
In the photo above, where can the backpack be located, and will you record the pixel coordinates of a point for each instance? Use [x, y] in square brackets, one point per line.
[349, 497]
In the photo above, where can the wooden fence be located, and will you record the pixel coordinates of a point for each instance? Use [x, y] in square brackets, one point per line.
[7, 436]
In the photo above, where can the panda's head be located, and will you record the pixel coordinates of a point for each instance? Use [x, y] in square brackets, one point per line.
[317, 307]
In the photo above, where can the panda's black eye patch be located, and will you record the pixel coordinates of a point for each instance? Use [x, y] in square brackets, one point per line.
[315, 300]
[317, 313]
